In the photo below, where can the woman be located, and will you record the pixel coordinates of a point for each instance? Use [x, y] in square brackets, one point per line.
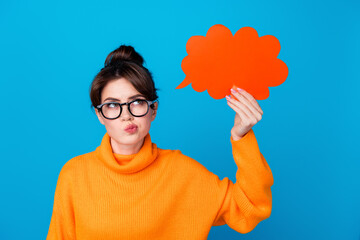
[128, 188]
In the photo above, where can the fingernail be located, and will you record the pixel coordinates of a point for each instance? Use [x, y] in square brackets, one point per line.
[232, 90]
[239, 89]
[228, 97]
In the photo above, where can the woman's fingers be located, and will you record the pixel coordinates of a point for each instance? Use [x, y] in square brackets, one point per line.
[251, 99]
[244, 113]
[243, 102]
[240, 111]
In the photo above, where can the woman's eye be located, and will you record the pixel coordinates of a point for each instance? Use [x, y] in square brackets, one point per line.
[112, 105]
[139, 101]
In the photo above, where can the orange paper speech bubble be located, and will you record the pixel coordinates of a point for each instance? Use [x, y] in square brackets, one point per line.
[220, 61]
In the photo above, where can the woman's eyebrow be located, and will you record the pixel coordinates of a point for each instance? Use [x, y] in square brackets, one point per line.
[112, 99]
[135, 96]
[115, 99]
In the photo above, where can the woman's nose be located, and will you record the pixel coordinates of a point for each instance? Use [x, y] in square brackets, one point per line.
[125, 114]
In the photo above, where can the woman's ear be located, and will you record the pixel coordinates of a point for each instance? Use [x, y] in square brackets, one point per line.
[154, 111]
[100, 117]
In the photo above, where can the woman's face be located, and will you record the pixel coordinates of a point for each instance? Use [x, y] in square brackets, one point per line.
[122, 141]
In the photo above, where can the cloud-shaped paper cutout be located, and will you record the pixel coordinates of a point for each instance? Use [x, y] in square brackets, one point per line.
[220, 61]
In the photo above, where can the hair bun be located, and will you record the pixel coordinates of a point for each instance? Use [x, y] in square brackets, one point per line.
[123, 53]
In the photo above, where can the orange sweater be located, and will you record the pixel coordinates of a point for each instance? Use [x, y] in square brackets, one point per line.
[158, 194]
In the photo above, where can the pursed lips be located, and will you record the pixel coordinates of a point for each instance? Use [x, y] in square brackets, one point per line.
[131, 126]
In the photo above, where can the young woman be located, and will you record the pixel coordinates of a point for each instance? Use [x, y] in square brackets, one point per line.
[128, 188]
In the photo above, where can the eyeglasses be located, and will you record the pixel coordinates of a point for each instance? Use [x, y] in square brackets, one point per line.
[113, 110]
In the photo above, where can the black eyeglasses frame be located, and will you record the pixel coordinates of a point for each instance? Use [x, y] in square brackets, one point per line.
[99, 107]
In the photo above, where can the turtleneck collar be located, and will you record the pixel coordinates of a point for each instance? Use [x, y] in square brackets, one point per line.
[127, 163]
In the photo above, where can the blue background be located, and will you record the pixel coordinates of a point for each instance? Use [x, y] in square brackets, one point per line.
[51, 50]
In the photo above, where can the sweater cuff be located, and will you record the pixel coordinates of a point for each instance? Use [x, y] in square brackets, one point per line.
[245, 138]
[247, 143]
[247, 146]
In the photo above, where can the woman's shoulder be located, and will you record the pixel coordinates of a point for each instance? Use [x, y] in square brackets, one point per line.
[76, 164]
[171, 153]
[184, 162]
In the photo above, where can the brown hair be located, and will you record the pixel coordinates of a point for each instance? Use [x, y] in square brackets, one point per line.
[124, 62]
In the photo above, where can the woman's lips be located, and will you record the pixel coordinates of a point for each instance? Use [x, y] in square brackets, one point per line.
[131, 128]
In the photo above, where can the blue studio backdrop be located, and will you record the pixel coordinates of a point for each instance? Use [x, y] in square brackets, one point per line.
[51, 50]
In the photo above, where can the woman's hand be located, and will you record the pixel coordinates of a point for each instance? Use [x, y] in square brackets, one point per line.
[248, 112]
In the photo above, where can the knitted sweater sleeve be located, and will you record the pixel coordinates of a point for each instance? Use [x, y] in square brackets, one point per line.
[62, 224]
[248, 201]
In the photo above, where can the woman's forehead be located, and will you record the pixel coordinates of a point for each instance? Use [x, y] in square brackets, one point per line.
[120, 89]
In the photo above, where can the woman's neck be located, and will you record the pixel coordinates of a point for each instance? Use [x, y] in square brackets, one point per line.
[123, 149]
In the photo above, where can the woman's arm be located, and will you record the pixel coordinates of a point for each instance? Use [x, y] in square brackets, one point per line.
[248, 201]
[62, 224]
